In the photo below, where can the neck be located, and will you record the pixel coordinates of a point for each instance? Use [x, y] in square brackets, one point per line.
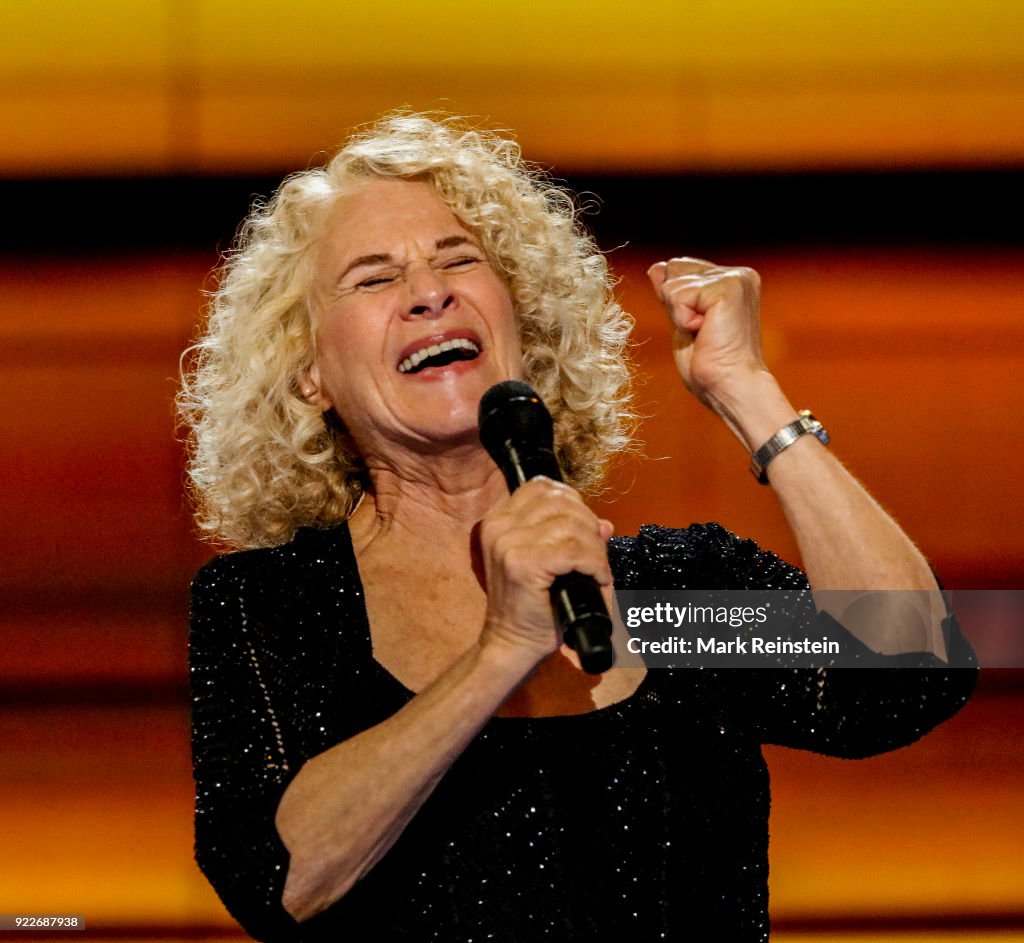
[433, 498]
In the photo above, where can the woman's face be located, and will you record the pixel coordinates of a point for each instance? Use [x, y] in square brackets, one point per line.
[412, 324]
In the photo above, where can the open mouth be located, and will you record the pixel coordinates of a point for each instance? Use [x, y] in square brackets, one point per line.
[440, 355]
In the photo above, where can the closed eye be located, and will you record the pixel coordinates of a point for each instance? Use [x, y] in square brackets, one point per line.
[377, 281]
[461, 261]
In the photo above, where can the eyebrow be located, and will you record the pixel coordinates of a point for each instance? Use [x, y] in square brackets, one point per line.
[448, 242]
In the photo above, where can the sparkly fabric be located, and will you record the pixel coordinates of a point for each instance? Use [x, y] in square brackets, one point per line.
[643, 821]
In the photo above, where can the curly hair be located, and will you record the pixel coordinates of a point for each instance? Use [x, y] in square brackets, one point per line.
[264, 462]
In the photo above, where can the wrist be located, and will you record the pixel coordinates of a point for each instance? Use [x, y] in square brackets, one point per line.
[753, 406]
[507, 655]
[805, 424]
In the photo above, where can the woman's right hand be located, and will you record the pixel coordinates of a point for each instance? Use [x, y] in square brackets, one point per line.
[539, 532]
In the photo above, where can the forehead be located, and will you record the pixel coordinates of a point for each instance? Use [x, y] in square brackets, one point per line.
[387, 217]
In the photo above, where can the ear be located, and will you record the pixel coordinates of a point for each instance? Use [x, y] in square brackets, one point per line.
[312, 389]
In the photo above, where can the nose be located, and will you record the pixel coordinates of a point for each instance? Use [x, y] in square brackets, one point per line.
[429, 292]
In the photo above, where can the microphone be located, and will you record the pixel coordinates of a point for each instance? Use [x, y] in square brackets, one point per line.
[517, 431]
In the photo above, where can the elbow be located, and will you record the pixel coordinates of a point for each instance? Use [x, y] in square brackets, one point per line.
[308, 891]
[898, 622]
[314, 880]
[298, 904]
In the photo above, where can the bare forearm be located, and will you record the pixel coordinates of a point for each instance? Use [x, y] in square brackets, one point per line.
[348, 805]
[846, 540]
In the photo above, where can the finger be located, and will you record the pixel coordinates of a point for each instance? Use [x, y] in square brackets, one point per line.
[679, 282]
[660, 272]
[685, 303]
[540, 498]
[580, 535]
[536, 490]
[686, 308]
[735, 277]
[548, 506]
[541, 485]
[688, 264]
[534, 557]
[560, 520]
[692, 295]
[695, 280]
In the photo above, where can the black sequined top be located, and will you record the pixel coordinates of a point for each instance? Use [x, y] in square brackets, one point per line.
[643, 821]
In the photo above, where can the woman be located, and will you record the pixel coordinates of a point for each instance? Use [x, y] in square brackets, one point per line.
[390, 743]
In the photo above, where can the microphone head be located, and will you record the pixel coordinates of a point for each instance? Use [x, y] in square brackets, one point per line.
[511, 412]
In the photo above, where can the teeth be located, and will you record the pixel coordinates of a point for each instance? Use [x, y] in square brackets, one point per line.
[414, 360]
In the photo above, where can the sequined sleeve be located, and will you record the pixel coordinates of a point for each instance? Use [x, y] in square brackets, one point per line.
[849, 712]
[240, 762]
[857, 712]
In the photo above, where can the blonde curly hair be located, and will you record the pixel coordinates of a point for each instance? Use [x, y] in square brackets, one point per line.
[262, 461]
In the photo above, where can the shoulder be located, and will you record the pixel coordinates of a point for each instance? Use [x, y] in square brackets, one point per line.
[309, 548]
[273, 592]
[701, 556]
[275, 610]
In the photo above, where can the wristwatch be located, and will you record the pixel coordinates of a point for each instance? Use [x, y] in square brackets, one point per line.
[805, 423]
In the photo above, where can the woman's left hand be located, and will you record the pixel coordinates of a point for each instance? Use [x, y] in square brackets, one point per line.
[715, 315]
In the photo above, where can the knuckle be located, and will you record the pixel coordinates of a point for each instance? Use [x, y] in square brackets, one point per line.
[569, 540]
[502, 545]
[552, 487]
[552, 492]
[749, 275]
[565, 494]
[517, 561]
[532, 490]
[580, 522]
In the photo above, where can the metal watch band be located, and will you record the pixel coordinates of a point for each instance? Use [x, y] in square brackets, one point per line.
[805, 423]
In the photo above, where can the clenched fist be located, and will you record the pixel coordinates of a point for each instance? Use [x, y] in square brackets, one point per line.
[539, 532]
[715, 316]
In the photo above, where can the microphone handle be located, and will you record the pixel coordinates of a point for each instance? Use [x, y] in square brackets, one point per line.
[586, 627]
[576, 599]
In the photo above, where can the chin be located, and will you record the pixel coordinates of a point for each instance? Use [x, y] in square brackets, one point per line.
[445, 404]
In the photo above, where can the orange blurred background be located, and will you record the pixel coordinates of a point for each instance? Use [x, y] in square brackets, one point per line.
[866, 157]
